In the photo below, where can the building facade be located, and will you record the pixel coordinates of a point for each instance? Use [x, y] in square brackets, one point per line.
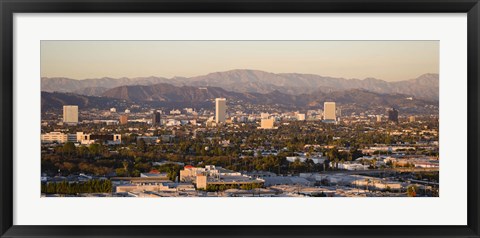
[393, 115]
[301, 117]
[329, 111]
[156, 118]
[70, 114]
[267, 123]
[57, 137]
[123, 119]
[212, 176]
[220, 110]
[109, 139]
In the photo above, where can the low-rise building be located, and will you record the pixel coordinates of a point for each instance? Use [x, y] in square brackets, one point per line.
[286, 180]
[148, 139]
[301, 117]
[218, 178]
[110, 139]
[154, 174]
[351, 166]
[58, 137]
[267, 124]
[303, 159]
[366, 182]
[158, 187]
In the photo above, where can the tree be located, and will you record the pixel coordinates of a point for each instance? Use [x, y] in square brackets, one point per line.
[125, 167]
[356, 153]
[120, 172]
[68, 166]
[69, 148]
[332, 154]
[95, 149]
[367, 181]
[141, 145]
[64, 187]
[374, 163]
[412, 191]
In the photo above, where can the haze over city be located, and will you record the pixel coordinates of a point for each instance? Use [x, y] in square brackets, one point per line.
[386, 60]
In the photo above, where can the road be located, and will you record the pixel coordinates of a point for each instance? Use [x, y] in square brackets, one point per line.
[379, 171]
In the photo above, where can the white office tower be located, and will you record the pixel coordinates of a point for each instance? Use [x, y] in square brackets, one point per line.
[329, 112]
[220, 110]
[70, 114]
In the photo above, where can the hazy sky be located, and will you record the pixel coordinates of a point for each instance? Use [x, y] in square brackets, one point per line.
[387, 60]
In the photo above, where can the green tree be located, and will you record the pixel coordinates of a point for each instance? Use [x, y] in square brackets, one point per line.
[141, 145]
[412, 191]
[95, 149]
[120, 172]
[69, 148]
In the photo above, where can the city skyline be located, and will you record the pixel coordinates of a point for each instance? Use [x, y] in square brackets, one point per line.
[241, 133]
[386, 60]
[233, 157]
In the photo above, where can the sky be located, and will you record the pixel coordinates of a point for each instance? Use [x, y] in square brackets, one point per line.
[387, 60]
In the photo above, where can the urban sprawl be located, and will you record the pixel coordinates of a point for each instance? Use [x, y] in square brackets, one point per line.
[223, 152]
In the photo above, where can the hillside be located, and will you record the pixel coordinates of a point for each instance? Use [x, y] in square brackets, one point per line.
[255, 81]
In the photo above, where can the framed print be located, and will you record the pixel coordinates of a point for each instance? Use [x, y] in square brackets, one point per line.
[240, 118]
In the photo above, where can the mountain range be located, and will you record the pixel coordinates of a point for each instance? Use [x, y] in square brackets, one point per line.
[167, 95]
[247, 81]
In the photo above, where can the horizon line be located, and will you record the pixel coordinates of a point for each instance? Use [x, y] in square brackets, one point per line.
[177, 76]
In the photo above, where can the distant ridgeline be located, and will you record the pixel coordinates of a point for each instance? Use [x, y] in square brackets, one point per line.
[254, 81]
[289, 91]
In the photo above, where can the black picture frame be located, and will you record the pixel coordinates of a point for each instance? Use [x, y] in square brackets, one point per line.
[9, 7]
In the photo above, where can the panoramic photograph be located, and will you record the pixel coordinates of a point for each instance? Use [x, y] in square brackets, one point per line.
[239, 119]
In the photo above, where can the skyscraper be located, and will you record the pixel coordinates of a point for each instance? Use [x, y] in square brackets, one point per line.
[393, 115]
[70, 114]
[329, 112]
[220, 109]
[156, 118]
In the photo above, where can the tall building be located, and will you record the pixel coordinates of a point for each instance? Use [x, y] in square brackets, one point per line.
[123, 119]
[411, 118]
[220, 109]
[70, 114]
[156, 118]
[393, 115]
[329, 112]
